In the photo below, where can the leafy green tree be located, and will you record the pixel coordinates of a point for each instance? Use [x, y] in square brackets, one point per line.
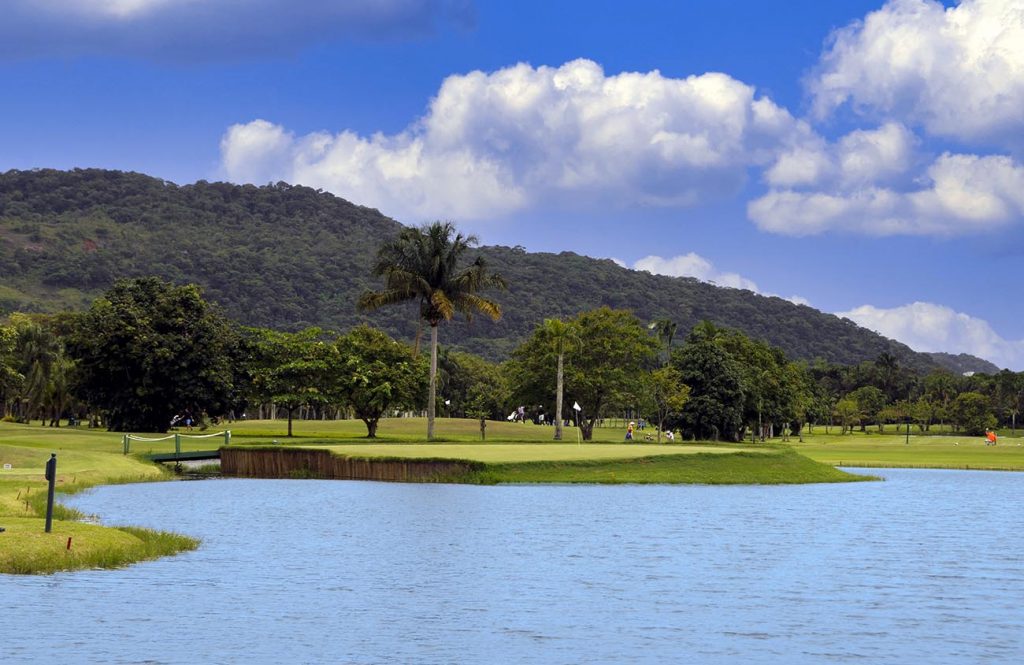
[797, 398]
[487, 397]
[770, 387]
[376, 374]
[1009, 396]
[848, 413]
[940, 387]
[464, 371]
[425, 265]
[715, 406]
[293, 370]
[924, 412]
[972, 413]
[148, 350]
[888, 368]
[664, 395]
[870, 401]
[11, 380]
[614, 351]
[821, 407]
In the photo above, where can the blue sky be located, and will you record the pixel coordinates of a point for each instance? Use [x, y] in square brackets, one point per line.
[864, 157]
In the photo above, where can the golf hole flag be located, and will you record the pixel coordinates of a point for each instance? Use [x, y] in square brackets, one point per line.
[576, 406]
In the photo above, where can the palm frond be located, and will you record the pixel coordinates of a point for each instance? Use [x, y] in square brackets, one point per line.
[371, 300]
[469, 303]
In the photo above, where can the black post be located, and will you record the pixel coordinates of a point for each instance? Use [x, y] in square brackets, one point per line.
[51, 475]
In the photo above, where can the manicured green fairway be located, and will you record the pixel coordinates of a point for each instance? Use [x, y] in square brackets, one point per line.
[776, 466]
[890, 450]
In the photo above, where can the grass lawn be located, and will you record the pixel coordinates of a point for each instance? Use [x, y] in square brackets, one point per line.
[775, 466]
[413, 430]
[25, 548]
[84, 458]
[891, 450]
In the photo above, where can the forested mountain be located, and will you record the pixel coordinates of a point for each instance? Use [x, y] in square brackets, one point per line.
[287, 257]
[963, 362]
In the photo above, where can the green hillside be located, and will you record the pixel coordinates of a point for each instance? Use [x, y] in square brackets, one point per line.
[286, 257]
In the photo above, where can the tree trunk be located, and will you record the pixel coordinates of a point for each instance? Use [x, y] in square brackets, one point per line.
[483, 428]
[558, 401]
[418, 340]
[290, 410]
[371, 427]
[431, 398]
[587, 428]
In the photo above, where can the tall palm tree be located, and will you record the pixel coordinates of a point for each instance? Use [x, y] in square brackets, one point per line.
[560, 337]
[665, 329]
[39, 349]
[422, 264]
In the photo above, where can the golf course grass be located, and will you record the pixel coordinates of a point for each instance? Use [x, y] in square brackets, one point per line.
[949, 451]
[512, 453]
[82, 463]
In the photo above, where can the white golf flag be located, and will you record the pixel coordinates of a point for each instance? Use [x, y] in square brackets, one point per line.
[576, 406]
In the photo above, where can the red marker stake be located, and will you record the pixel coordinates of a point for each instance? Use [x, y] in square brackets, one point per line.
[69, 543]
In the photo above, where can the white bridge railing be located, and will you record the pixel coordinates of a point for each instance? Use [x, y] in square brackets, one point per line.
[128, 438]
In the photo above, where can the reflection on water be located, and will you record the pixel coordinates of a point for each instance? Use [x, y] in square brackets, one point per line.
[923, 568]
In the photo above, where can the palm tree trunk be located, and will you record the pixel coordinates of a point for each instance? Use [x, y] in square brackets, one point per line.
[431, 398]
[558, 401]
[419, 338]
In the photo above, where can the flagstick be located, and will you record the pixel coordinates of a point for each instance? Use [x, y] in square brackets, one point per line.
[579, 412]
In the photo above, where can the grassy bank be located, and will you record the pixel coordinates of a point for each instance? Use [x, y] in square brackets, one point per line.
[26, 549]
[82, 461]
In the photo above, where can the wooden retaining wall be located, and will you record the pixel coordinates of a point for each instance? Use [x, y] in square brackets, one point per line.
[305, 463]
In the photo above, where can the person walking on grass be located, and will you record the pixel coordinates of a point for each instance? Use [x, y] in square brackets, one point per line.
[629, 431]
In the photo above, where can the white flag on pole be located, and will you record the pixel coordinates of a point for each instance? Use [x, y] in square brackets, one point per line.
[576, 406]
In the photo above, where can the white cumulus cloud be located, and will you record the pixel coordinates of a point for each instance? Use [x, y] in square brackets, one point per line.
[958, 71]
[493, 143]
[862, 157]
[957, 195]
[695, 265]
[929, 327]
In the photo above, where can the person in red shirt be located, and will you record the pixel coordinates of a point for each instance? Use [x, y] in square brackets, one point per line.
[991, 438]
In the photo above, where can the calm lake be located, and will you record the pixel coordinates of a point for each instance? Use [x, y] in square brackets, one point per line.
[924, 568]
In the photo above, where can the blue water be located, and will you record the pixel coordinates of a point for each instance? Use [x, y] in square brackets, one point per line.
[924, 568]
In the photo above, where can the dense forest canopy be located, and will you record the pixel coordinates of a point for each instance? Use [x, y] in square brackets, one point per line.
[289, 257]
[149, 354]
